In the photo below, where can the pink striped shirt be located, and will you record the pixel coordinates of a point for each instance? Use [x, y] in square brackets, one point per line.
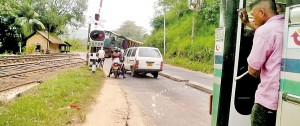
[266, 56]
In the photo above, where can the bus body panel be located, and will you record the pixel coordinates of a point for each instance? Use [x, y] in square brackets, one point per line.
[289, 103]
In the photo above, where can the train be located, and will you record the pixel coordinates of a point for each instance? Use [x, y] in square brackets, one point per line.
[114, 40]
[232, 99]
[110, 41]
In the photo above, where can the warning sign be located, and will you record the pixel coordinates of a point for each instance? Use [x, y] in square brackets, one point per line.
[96, 43]
[294, 37]
[219, 40]
[219, 47]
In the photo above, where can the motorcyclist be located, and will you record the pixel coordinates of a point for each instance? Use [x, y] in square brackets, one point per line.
[116, 59]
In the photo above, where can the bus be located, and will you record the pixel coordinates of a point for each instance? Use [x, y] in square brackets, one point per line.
[233, 97]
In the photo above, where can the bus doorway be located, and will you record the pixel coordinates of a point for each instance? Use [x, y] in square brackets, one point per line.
[233, 98]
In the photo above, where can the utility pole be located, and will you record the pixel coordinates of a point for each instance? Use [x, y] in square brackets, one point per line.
[88, 40]
[20, 44]
[48, 41]
[193, 27]
[164, 31]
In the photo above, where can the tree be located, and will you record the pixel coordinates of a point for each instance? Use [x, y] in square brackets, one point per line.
[57, 14]
[131, 30]
[9, 31]
[27, 18]
[77, 44]
[20, 18]
[157, 22]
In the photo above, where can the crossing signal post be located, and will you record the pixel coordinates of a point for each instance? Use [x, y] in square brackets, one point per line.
[97, 37]
[97, 17]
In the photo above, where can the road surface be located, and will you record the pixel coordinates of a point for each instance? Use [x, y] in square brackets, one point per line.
[148, 101]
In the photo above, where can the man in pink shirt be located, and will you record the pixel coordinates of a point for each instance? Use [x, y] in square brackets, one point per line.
[264, 60]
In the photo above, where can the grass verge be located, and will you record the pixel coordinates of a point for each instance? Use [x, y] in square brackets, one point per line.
[191, 65]
[50, 102]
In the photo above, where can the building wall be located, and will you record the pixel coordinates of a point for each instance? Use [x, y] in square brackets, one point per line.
[54, 48]
[38, 39]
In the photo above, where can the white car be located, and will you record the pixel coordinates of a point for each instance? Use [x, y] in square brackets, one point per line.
[143, 60]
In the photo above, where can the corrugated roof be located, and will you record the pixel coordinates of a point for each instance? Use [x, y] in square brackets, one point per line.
[51, 38]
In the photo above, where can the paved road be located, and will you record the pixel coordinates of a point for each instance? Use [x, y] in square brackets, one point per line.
[168, 102]
[195, 79]
[165, 101]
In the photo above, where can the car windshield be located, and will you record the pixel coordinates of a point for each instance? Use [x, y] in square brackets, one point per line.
[149, 52]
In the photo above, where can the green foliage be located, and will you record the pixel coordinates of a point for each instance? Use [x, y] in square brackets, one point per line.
[77, 45]
[48, 104]
[7, 53]
[29, 49]
[158, 22]
[20, 18]
[131, 30]
[210, 13]
[27, 18]
[10, 32]
[179, 41]
[192, 65]
[57, 14]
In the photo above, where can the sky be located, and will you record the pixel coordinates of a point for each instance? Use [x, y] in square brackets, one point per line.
[115, 12]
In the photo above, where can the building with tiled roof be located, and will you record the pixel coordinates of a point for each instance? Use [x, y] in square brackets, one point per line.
[42, 41]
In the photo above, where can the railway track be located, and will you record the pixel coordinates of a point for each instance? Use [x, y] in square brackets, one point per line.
[28, 58]
[18, 71]
[19, 68]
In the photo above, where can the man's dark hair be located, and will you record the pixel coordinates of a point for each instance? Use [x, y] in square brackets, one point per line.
[271, 2]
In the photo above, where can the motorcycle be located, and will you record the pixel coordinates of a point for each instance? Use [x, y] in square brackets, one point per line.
[116, 70]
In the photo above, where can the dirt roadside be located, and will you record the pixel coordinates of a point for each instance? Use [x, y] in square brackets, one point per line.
[114, 107]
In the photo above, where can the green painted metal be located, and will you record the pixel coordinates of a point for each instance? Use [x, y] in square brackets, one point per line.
[290, 86]
[217, 73]
[215, 108]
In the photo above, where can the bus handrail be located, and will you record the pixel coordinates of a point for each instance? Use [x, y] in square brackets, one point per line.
[291, 98]
[241, 76]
